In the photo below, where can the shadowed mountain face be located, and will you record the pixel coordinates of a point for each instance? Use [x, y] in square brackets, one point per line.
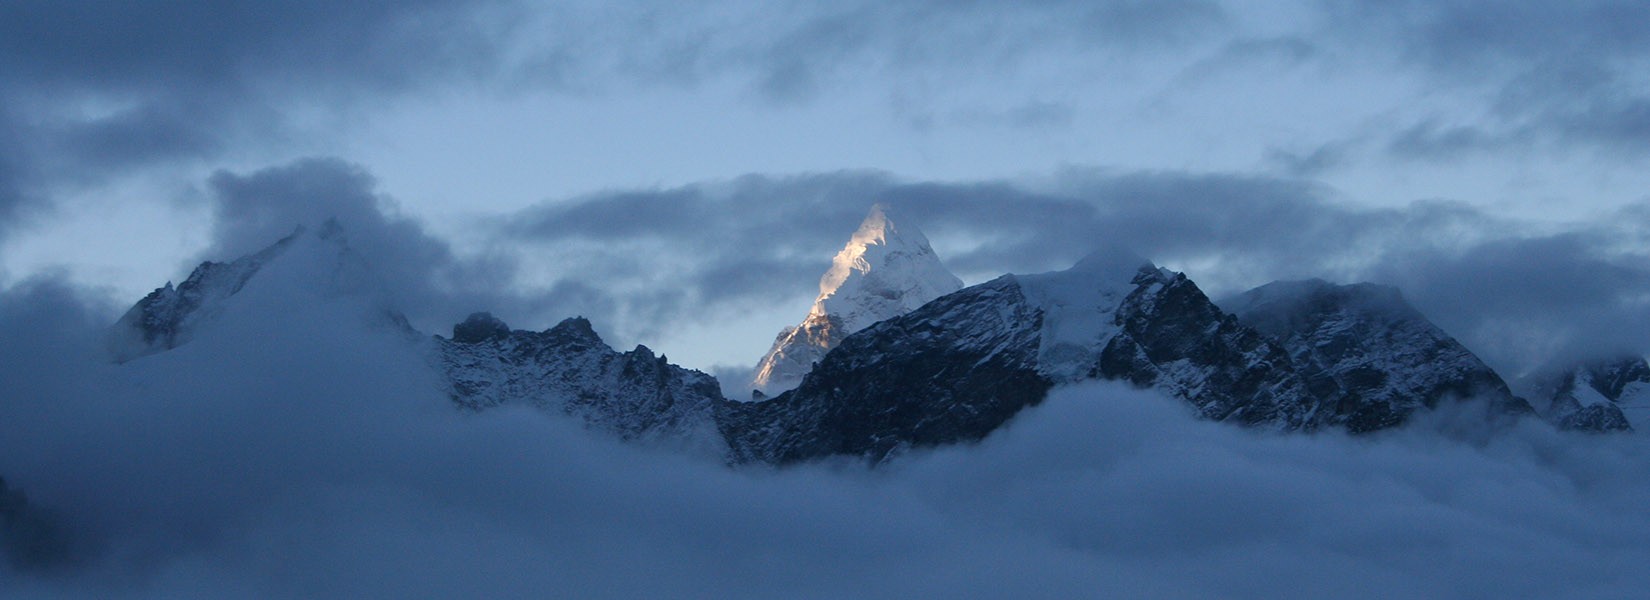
[953, 371]
[1373, 358]
[961, 366]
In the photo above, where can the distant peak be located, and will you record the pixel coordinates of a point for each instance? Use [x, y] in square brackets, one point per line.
[480, 327]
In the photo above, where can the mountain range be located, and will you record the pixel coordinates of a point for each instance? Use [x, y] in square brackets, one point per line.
[896, 354]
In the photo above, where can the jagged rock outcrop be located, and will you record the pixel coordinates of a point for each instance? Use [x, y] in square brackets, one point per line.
[569, 369]
[884, 271]
[1171, 337]
[1372, 357]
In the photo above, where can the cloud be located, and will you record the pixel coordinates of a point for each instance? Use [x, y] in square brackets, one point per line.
[298, 451]
[418, 273]
[1529, 301]
[1554, 74]
[95, 94]
[797, 53]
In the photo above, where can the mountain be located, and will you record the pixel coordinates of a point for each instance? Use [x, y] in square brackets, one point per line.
[884, 271]
[169, 316]
[1600, 395]
[959, 367]
[1374, 358]
[569, 369]
[1292, 356]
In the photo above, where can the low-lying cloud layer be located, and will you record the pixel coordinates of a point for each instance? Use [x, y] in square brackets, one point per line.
[294, 450]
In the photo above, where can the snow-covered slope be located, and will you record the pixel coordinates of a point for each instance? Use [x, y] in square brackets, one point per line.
[1602, 395]
[962, 365]
[885, 270]
[568, 369]
[1385, 358]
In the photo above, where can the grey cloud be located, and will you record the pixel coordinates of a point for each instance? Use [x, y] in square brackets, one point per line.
[420, 273]
[96, 91]
[1469, 34]
[1551, 73]
[186, 47]
[1619, 125]
[794, 53]
[1281, 51]
[1035, 114]
[1430, 140]
[1314, 162]
[1528, 301]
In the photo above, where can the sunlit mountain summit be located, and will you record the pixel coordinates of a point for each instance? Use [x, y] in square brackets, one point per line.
[884, 271]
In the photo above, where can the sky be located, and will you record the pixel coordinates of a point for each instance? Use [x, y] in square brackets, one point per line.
[682, 175]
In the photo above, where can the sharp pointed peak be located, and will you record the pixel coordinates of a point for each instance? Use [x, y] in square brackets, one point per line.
[878, 227]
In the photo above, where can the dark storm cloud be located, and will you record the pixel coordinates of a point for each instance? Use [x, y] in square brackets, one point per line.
[95, 89]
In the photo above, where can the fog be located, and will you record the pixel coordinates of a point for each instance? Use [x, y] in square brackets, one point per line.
[297, 448]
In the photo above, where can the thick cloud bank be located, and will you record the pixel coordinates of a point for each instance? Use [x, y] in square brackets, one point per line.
[297, 449]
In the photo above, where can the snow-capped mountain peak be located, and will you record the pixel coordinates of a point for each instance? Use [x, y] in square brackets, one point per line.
[884, 271]
[1080, 307]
